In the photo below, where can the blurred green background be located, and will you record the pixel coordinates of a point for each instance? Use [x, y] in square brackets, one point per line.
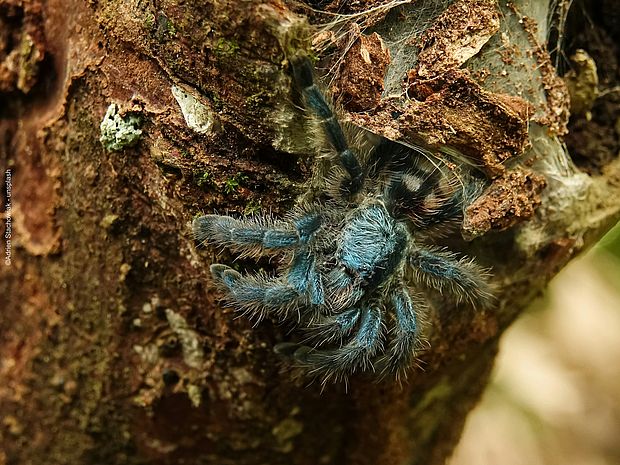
[555, 394]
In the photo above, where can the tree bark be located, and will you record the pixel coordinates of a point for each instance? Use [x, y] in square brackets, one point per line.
[122, 120]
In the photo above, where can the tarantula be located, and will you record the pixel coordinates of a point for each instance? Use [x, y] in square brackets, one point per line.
[354, 258]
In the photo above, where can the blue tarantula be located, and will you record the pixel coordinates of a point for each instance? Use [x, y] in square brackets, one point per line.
[354, 258]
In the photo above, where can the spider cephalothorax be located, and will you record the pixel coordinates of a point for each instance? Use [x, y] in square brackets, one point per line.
[354, 263]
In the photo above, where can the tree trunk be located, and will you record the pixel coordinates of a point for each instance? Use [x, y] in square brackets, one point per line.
[122, 120]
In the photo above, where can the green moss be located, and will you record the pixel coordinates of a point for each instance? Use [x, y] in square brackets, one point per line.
[285, 431]
[165, 28]
[149, 21]
[203, 179]
[225, 48]
[231, 185]
[30, 57]
[440, 391]
[252, 207]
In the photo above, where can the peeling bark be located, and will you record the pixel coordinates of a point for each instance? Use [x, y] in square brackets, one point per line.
[113, 346]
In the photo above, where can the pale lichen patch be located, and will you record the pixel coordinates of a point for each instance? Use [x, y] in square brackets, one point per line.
[197, 115]
[118, 132]
[190, 340]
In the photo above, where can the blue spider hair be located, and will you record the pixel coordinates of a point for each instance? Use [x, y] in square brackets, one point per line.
[355, 264]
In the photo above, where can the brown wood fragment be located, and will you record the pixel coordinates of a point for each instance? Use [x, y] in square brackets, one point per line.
[452, 109]
[509, 200]
[557, 112]
[457, 35]
[359, 84]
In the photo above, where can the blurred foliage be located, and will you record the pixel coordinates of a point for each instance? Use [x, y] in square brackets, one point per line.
[611, 241]
[555, 394]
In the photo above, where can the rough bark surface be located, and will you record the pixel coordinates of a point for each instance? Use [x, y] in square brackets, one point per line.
[113, 346]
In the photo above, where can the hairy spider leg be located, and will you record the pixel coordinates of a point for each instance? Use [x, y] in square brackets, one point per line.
[418, 195]
[303, 276]
[257, 295]
[345, 359]
[404, 334]
[254, 236]
[334, 327]
[444, 271]
[342, 289]
[256, 292]
[447, 211]
[315, 101]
